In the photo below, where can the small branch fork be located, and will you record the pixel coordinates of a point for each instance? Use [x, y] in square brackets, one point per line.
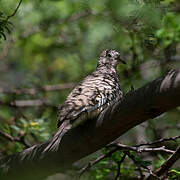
[175, 155]
[140, 149]
[14, 11]
[119, 166]
[92, 163]
[19, 139]
[164, 168]
[140, 166]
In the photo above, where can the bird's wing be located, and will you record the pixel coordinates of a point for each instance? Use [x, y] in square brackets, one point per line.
[88, 98]
[75, 111]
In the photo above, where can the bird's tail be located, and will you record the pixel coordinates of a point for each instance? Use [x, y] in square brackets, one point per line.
[55, 142]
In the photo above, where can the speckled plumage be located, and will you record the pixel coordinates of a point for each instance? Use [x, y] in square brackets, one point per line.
[90, 97]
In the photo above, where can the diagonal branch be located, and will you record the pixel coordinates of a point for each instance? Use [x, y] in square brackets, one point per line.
[148, 102]
[124, 148]
[119, 166]
[167, 164]
[7, 136]
[17, 139]
[100, 158]
[14, 11]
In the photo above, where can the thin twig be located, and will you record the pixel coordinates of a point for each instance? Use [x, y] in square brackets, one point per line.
[119, 166]
[158, 141]
[7, 136]
[174, 138]
[135, 148]
[140, 150]
[92, 163]
[14, 11]
[167, 164]
[140, 172]
[131, 156]
[15, 139]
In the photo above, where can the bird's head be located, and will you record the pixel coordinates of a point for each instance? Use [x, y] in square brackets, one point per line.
[110, 58]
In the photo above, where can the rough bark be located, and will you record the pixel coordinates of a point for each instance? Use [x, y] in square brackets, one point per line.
[136, 107]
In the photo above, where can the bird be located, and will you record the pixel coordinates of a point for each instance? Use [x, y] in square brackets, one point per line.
[90, 97]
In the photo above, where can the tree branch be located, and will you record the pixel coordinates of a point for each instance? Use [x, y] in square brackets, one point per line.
[143, 149]
[33, 91]
[158, 141]
[147, 102]
[100, 158]
[167, 164]
[124, 148]
[27, 103]
[119, 166]
[17, 139]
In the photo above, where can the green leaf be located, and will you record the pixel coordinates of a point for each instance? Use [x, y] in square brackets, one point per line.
[177, 172]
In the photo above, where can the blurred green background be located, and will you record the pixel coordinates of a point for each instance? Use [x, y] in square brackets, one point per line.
[58, 42]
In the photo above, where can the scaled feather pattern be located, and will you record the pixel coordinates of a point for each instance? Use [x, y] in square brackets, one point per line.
[90, 97]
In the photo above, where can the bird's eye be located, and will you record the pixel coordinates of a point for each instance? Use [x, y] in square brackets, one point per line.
[109, 55]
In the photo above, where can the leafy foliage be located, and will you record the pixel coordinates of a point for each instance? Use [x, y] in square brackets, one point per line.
[4, 26]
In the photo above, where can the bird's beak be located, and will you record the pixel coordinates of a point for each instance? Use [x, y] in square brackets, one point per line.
[122, 61]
